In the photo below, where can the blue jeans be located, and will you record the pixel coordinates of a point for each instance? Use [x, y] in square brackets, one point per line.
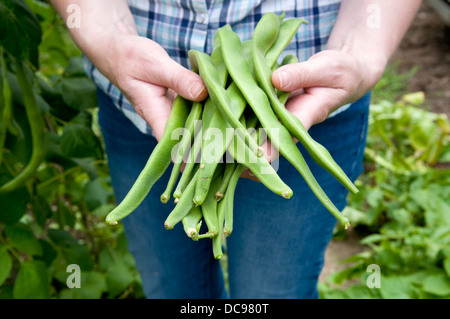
[277, 246]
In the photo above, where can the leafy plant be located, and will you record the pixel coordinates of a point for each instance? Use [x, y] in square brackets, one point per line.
[403, 207]
[53, 211]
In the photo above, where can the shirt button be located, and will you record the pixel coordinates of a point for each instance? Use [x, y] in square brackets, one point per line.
[201, 18]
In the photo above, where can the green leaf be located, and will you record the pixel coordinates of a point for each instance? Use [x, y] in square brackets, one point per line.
[93, 285]
[434, 203]
[105, 259]
[79, 254]
[437, 284]
[22, 238]
[52, 96]
[41, 210]
[361, 292]
[63, 215]
[20, 146]
[62, 238]
[396, 287]
[20, 31]
[122, 243]
[14, 204]
[41, 9]
[326, 292]
[32, 281]
[78, 139]
[78, 93]
[372, 238]
[96, 194]
[6, 292]
[119, 278]
[83, 118]
[5, 264]
[49, 253]
[446, 265]
[422, 134]
[75, 68]
[103, 210]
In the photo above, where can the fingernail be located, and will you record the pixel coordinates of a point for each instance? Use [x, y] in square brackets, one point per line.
[285, 80]
[196, 89]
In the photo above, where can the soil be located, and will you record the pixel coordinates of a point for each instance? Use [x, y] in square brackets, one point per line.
[427, 45]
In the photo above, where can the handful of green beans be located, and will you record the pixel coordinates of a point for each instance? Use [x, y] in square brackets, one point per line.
[221, 137]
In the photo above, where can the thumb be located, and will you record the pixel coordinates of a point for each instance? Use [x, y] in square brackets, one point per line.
[315, 104]
[170, 74]
[312, 73]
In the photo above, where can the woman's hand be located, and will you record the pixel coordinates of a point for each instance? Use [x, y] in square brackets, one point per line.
[139, 67]
[319, 86]
[150, 80]
[327, 81]
[357, 53]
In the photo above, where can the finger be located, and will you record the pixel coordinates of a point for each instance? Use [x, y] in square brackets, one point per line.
[315, 105]
[270, 151]
[318, 71]
[164, 71]
[248, 174]
[152, 104]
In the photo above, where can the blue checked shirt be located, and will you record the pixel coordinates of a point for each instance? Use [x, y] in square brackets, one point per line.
[181, 25]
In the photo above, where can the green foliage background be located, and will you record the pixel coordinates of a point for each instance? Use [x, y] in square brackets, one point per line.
[57, 217]
[402, 211]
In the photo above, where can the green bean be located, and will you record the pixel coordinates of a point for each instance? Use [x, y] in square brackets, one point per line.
[217, 60]
[191, 127]
[208, 116]
[184, 205]
[216, 121]
[209, 162]
[258, 101]
[260, 167]
[265, 33]
[192, 222]
[217, 240]
[189, 167]
[209, 206]
[202, 62]
[37, 128]
[319, 153]
[156, 165]
[229, 169]
[288, 29]
[6, 104]
[209, 111]
[207, 235]
[228, 227]
[237, 105]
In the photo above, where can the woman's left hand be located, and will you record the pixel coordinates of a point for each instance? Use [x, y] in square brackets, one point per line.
[322, 84]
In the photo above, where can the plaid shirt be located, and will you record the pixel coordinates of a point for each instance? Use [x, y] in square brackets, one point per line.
[181, 25]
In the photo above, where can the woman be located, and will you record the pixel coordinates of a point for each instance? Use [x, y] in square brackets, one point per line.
[136, 53]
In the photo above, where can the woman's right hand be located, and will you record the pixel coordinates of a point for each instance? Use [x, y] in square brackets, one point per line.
[139, 67]
[150, 80]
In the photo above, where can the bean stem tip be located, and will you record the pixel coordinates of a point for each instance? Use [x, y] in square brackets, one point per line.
[164, 199]
[259, 151]
[286, 194]
[167, 225]
[218, 196]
